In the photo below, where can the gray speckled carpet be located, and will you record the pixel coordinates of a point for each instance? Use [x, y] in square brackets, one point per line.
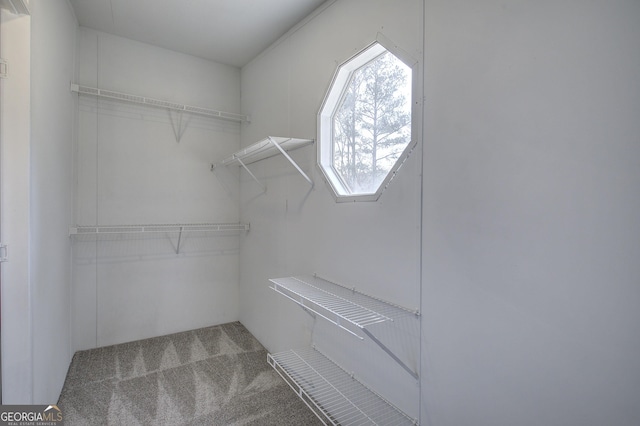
[211, 376]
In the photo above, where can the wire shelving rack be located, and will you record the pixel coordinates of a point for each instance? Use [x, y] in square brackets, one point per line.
[334, 395]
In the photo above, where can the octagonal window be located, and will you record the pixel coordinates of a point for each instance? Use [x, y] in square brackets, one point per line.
[365, 124]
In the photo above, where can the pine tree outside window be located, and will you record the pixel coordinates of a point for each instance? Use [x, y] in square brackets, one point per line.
[365, 124]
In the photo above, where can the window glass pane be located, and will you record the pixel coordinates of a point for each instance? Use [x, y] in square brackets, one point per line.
[372, 124]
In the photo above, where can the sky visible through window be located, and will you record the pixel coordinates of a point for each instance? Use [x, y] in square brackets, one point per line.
[372, 124]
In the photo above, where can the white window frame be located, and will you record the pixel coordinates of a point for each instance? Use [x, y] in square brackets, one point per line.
[331, 103]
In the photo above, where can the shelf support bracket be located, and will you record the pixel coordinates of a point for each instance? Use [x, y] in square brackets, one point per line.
[264, 188]
[179, 239]
[391, 354]
[288, 157]
[178, 130]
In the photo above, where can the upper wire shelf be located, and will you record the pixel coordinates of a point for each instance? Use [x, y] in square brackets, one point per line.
[265, 148]
[337, 303]
[142, 100]
[138, 229]
[334, 395]
[180, 229]
[347, 308]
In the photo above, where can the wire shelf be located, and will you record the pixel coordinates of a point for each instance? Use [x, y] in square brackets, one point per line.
[141, 100]
[334, 395]
[263, 149]
[347, 308]
[157, 228]
[338, 304]
[267, 147]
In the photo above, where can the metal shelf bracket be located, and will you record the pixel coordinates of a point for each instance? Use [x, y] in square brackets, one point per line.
[178, 128]
[288, 157]
[244, 166]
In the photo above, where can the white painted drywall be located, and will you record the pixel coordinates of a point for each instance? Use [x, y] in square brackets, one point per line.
[531, 230]
[17, 376]
[296, 229]
[53, 108]
[132, 170]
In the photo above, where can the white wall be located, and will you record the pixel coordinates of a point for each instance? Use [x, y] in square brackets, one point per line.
[37, 135]
[131, 170]
[15, 150]
[531, 234]
[53, 32]
[296, 229]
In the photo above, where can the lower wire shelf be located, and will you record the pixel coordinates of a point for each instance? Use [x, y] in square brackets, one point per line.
[334, 395]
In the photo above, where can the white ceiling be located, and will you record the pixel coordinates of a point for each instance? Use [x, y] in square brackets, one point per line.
[228, 31]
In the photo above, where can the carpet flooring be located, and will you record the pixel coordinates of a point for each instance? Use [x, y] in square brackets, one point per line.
[210, 376]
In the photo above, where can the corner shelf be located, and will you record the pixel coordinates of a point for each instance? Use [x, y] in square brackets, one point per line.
[266, 148]
[334, 395]
[180, 228]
